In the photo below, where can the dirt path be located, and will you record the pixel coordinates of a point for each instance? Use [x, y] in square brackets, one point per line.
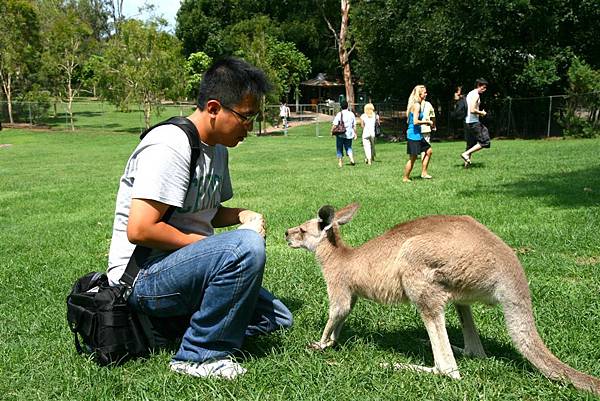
[309, 120]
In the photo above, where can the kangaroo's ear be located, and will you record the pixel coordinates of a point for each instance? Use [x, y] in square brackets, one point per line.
[325, 218]
[346, 214]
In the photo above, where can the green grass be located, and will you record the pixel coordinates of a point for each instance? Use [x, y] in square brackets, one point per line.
[98, 115]
[57, 192]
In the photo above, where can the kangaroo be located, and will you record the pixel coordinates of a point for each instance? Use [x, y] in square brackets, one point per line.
[431, 261]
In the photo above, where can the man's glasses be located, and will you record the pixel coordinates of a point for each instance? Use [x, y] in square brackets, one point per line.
[246, 119]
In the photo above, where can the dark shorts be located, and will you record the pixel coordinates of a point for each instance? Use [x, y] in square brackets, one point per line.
[477, 133]
[414, 148]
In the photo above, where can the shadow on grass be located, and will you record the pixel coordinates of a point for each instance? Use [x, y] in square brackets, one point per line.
[573, 189]
[88, 114]
[414, 343]
[264, 345]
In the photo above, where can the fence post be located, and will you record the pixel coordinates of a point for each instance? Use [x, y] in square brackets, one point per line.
[509, 115]
[549, 118]
[317, 120]
[30, 119]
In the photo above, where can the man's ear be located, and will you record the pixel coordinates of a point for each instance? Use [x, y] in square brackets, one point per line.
[325, 216]
[213, 107]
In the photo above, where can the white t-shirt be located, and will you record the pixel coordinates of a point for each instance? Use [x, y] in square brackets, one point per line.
[284, 111]
[369, 122]
[472, 98]
[349, 122]
[428, 114]
[159, 170]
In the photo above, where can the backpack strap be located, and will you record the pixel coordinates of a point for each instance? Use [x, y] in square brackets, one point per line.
[141, 253]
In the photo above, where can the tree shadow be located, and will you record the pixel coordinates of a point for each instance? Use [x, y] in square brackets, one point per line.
[580, 188]
[87, 113]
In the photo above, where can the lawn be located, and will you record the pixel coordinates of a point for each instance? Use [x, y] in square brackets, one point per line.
[57, 192]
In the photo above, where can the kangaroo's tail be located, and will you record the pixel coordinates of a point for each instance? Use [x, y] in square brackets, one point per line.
[518, 313]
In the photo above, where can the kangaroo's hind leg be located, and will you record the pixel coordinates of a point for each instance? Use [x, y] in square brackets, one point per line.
[444, 361]
[473, 346]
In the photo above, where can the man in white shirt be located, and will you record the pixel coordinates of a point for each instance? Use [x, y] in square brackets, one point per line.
[344, 141]
[428, 115]
[204, 287]
[476, 134]
[284, 114]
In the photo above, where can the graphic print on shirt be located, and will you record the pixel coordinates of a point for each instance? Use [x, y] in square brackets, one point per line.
[205, 194]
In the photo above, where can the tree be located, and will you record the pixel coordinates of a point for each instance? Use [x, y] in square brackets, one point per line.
[204, 25]
[96, 14]
[195, 67]
[344, 52]
[19, 41]
[66, 49]
[142, 65]
[200, 24]
[115, 10]
[290, 66]
[442, 44]
[256, 40]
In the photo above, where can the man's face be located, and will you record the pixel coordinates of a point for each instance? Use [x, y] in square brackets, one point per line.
[481, 89]
[233, 122]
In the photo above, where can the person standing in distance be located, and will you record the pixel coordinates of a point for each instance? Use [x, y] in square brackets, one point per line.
[415, 143]
[477, 135]
[207, 287]
[368, 120]
[284, 114]
[426, 129]
[344, 141]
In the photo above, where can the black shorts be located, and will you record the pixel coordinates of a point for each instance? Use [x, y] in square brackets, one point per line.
[477, 133]
[415, 148]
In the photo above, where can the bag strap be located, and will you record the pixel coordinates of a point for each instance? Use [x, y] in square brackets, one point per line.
[141, 253]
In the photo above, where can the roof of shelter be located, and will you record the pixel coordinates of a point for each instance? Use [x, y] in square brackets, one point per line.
[321, 80]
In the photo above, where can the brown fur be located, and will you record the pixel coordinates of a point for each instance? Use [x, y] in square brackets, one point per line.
[431, 261]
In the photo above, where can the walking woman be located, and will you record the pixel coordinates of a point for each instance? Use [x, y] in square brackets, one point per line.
[368, 120]
[415, 143]
[344, 141]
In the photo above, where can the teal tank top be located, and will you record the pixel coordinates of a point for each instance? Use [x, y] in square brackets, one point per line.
[414, 131]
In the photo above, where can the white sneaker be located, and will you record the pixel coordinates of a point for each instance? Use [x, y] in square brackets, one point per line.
[221, 368]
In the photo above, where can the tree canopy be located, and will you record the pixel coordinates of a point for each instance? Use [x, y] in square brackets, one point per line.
[523, 47]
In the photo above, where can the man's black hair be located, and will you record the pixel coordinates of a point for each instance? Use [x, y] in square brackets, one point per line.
[229, 80]
[344, 105]
[480, 82]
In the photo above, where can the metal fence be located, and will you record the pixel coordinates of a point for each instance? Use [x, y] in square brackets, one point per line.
[510, 117]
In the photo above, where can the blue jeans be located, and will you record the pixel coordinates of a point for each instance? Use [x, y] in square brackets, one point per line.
[342, 143]
[216, 281]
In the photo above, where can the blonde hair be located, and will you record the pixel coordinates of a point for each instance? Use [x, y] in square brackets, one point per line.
[369, 109]
[415, 97]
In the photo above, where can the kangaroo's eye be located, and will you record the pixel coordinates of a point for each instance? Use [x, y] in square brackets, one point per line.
[302, 230]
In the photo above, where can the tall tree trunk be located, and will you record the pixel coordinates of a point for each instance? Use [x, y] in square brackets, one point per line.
[70, 101]
[7, 88]
[345, 54]
[147, 110]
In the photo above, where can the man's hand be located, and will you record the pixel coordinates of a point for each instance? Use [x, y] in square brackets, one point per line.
[252, 221]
